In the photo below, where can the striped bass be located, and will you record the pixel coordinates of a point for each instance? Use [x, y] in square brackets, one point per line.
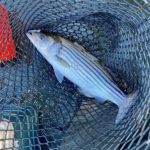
[72, 61]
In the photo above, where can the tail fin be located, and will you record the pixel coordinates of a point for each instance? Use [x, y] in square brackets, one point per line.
[123, 110]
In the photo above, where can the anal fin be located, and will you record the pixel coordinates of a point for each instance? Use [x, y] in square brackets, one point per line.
[100, 100]
[85, 92]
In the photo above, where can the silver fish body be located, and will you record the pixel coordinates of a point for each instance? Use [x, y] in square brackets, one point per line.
[90, 76]
[72, 61]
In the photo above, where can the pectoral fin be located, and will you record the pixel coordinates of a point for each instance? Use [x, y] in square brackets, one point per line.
[84, 92]
[59, 76]
[63, 62]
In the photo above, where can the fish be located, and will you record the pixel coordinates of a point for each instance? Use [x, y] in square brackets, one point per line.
[74, 62]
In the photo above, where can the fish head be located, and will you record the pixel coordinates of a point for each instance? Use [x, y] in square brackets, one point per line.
[48, 45]
[41, 41]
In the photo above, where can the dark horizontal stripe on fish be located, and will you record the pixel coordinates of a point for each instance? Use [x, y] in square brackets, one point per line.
[83, 73]
[89, 72]
[103, 89]
[103, 74]
[107, 79]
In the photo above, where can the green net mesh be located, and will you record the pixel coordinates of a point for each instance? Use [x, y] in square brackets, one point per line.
[36, 112]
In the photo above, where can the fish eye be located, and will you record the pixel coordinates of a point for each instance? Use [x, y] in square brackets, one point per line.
[41, 36]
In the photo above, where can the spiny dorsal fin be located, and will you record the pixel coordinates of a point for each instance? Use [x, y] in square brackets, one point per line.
[104, 70]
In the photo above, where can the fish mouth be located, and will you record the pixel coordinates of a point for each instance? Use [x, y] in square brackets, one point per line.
[29, 33]
[31, 37]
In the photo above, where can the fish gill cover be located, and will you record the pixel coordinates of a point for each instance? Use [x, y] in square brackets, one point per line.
[45, 114]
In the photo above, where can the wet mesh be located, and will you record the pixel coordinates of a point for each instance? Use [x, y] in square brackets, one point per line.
[41, 113]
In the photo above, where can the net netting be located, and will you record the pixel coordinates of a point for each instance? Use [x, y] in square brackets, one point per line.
[36, 112]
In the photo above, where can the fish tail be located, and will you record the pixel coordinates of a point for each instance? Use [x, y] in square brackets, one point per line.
[123, 109]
